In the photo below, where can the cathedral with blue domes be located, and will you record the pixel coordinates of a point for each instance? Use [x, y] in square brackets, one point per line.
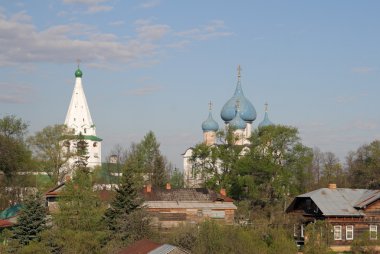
[237, 113]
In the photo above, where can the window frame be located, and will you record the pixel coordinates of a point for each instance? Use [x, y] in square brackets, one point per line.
[337, 229]
[350, 229]
[372, 231]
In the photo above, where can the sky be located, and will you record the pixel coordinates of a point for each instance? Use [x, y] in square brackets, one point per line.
[156, 64]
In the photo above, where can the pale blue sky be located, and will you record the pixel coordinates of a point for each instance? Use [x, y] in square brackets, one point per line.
[155, 64]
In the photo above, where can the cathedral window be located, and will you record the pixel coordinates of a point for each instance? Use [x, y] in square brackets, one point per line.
[95, 144]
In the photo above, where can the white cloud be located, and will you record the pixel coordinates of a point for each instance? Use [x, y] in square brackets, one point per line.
[144, 90]
[363, 69]
[148, 31]
[15, 93]
[212, 30]
[98, 8]
[149, 4]
[22, 43]
[93, 6]
[87, 2]
[117, 23]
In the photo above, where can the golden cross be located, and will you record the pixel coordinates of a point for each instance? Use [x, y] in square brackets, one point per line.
[78, 62]
[266, 106]
[210, 106]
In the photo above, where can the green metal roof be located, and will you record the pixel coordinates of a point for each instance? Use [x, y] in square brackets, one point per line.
[92, 138]
[10, 212]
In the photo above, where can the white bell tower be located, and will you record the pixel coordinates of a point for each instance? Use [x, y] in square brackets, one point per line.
[78, 120]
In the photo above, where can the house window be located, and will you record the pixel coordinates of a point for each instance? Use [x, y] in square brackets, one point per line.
[349, 232]
[337, 232]
[373, 232]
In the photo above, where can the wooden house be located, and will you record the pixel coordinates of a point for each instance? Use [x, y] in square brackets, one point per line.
[171, 207]
[351, 212]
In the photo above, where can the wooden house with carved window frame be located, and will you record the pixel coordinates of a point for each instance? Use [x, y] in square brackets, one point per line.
[351, 212]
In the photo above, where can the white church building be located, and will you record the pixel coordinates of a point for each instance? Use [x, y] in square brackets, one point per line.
[237, 113]
[79, 122]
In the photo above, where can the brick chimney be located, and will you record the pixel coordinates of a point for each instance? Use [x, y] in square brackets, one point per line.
[332, 186]
[148, 188]
[223, 192]
[168, 186]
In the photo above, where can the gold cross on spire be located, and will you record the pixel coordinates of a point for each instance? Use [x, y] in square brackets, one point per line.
[210, 106]
[78, 62]
[239, 72]
[266, 106]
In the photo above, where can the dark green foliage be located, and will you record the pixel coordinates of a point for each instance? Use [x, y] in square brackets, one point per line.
[126, 200]
[14, 154]
[31, 221]
[269, 170]
[78, 226]
[13, 127]
[81, 154]
[146, 159]
[364, 165]
[79, 206]
[133, 226]
[126, 218]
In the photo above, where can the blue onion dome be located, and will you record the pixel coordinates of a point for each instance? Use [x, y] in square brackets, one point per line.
[238, 123]
[210, 124]
[266, 121]
[247, 111]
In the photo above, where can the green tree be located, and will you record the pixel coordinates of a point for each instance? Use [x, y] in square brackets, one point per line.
[81, 154]
[151, 162]
[176, 179]
[318, 236]
[15, 157]
[363, 166]
[31, 221]
[126, 218]
[79, 206]
[51, 151]
[274, 166]
[13, 127]
[332, 171]
[78, 224]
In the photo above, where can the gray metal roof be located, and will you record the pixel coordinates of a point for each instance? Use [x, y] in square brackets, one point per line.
[167, 249]
[342, 201]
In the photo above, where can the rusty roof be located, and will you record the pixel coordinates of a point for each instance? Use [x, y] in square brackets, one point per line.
[143, 246]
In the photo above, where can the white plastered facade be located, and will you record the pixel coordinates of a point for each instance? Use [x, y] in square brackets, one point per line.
[79, 121]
